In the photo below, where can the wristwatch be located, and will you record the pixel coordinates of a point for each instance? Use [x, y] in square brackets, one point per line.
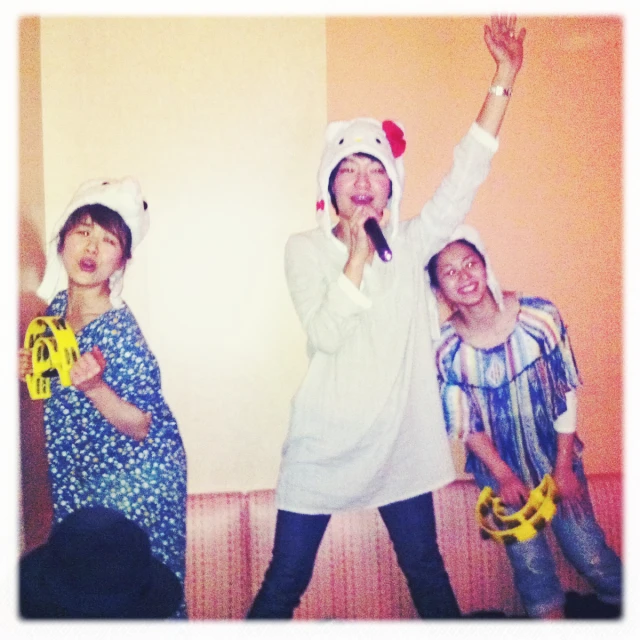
[497, 90]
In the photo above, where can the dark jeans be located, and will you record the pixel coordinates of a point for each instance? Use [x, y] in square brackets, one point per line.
[412, 528]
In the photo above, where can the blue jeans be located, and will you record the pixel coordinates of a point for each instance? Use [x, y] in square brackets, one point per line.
[412, 528]
[583, 544]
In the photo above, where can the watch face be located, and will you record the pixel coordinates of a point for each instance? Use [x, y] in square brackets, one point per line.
[497, 90]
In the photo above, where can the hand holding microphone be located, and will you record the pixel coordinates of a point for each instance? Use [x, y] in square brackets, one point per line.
[374, 232]
[365, 235]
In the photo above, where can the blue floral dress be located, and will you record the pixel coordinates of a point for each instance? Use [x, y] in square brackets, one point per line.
[513, 392]
[92, 463]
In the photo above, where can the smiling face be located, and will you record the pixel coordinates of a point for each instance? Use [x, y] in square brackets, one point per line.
[360, 180]
[461, 275]
[90, 254]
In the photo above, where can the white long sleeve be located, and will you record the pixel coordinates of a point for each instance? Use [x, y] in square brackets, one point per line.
[567, 422]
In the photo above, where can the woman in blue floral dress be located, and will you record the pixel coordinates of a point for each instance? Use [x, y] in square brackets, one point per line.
[508, 382]
[111, 438]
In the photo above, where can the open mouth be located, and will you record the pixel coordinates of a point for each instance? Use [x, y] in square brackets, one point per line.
[362, 199]
[468, 288]
[88, 265]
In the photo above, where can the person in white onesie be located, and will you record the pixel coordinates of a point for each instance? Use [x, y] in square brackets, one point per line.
[366, 427]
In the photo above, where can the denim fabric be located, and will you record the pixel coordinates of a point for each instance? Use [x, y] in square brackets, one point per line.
[411, 526]
[295, 547]
[582, 542]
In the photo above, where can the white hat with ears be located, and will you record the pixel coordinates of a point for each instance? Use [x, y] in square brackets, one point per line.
[382, 140]
[122, 196]
[471, 235]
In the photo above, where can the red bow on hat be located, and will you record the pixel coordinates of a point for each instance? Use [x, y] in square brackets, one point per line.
[395, 136]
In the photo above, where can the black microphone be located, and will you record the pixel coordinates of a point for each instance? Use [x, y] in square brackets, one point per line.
[374, 232]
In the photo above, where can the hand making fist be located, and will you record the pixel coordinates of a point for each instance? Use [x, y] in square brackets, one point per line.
[25, 363]
[86, 373]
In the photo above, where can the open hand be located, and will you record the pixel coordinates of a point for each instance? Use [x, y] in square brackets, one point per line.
[505, 48]
[86, 373]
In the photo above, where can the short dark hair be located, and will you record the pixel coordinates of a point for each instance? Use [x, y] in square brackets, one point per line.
[432, 265]
[104, 217]
[334, 173]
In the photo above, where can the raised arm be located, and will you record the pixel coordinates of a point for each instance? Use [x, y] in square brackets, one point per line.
[507, 51]
[472, 156]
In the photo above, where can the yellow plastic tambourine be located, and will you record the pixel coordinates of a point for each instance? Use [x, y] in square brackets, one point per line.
[522, 525]
[54, 351]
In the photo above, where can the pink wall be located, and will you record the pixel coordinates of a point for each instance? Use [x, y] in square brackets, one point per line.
[551, 210]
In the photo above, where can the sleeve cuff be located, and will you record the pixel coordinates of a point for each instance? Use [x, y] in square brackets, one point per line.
[353, 292]
[567, 422]
[484, 137]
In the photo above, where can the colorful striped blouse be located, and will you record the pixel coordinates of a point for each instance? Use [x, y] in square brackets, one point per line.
[513, 392]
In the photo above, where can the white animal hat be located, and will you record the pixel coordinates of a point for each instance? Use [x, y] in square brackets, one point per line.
[470, 234]
[123, 196]
[382, 140]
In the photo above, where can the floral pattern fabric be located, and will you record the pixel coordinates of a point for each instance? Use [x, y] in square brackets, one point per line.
[92, 463]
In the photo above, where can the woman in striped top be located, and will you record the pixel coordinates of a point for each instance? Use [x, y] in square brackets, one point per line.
[507, 378]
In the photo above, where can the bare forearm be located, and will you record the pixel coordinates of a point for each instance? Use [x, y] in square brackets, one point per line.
[564, 456]
[512, 489]
[494, 107]
[507, 52]
[354, 270]
[480, 444]
[124, 416]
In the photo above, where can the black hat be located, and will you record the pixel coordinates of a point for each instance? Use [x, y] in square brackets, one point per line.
[97, 564]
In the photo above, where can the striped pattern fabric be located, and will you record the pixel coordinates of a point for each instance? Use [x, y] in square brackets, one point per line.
[217, 580]
[356, 577]
[513, 392]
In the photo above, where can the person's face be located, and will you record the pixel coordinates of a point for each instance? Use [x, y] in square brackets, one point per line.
[90, 254]
[361, 181]
[462, 276]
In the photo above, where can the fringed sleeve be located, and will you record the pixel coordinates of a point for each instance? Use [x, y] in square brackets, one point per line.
[461, 413]
[558, 363]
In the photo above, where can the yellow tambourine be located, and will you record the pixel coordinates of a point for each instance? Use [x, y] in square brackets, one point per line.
[519, 526]
[54, 351]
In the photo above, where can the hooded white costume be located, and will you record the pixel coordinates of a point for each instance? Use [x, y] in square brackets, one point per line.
[366, 424]
[122, 196]
[468, 233]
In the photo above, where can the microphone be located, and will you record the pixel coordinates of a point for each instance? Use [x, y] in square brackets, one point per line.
[374, 232]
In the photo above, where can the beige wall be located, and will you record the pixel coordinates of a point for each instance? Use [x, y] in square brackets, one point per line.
[221, 121]
[551, 211]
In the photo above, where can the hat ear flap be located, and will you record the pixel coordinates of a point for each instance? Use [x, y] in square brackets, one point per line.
[89, 185]
[130, 184]
[334, 129]
[437, 292]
